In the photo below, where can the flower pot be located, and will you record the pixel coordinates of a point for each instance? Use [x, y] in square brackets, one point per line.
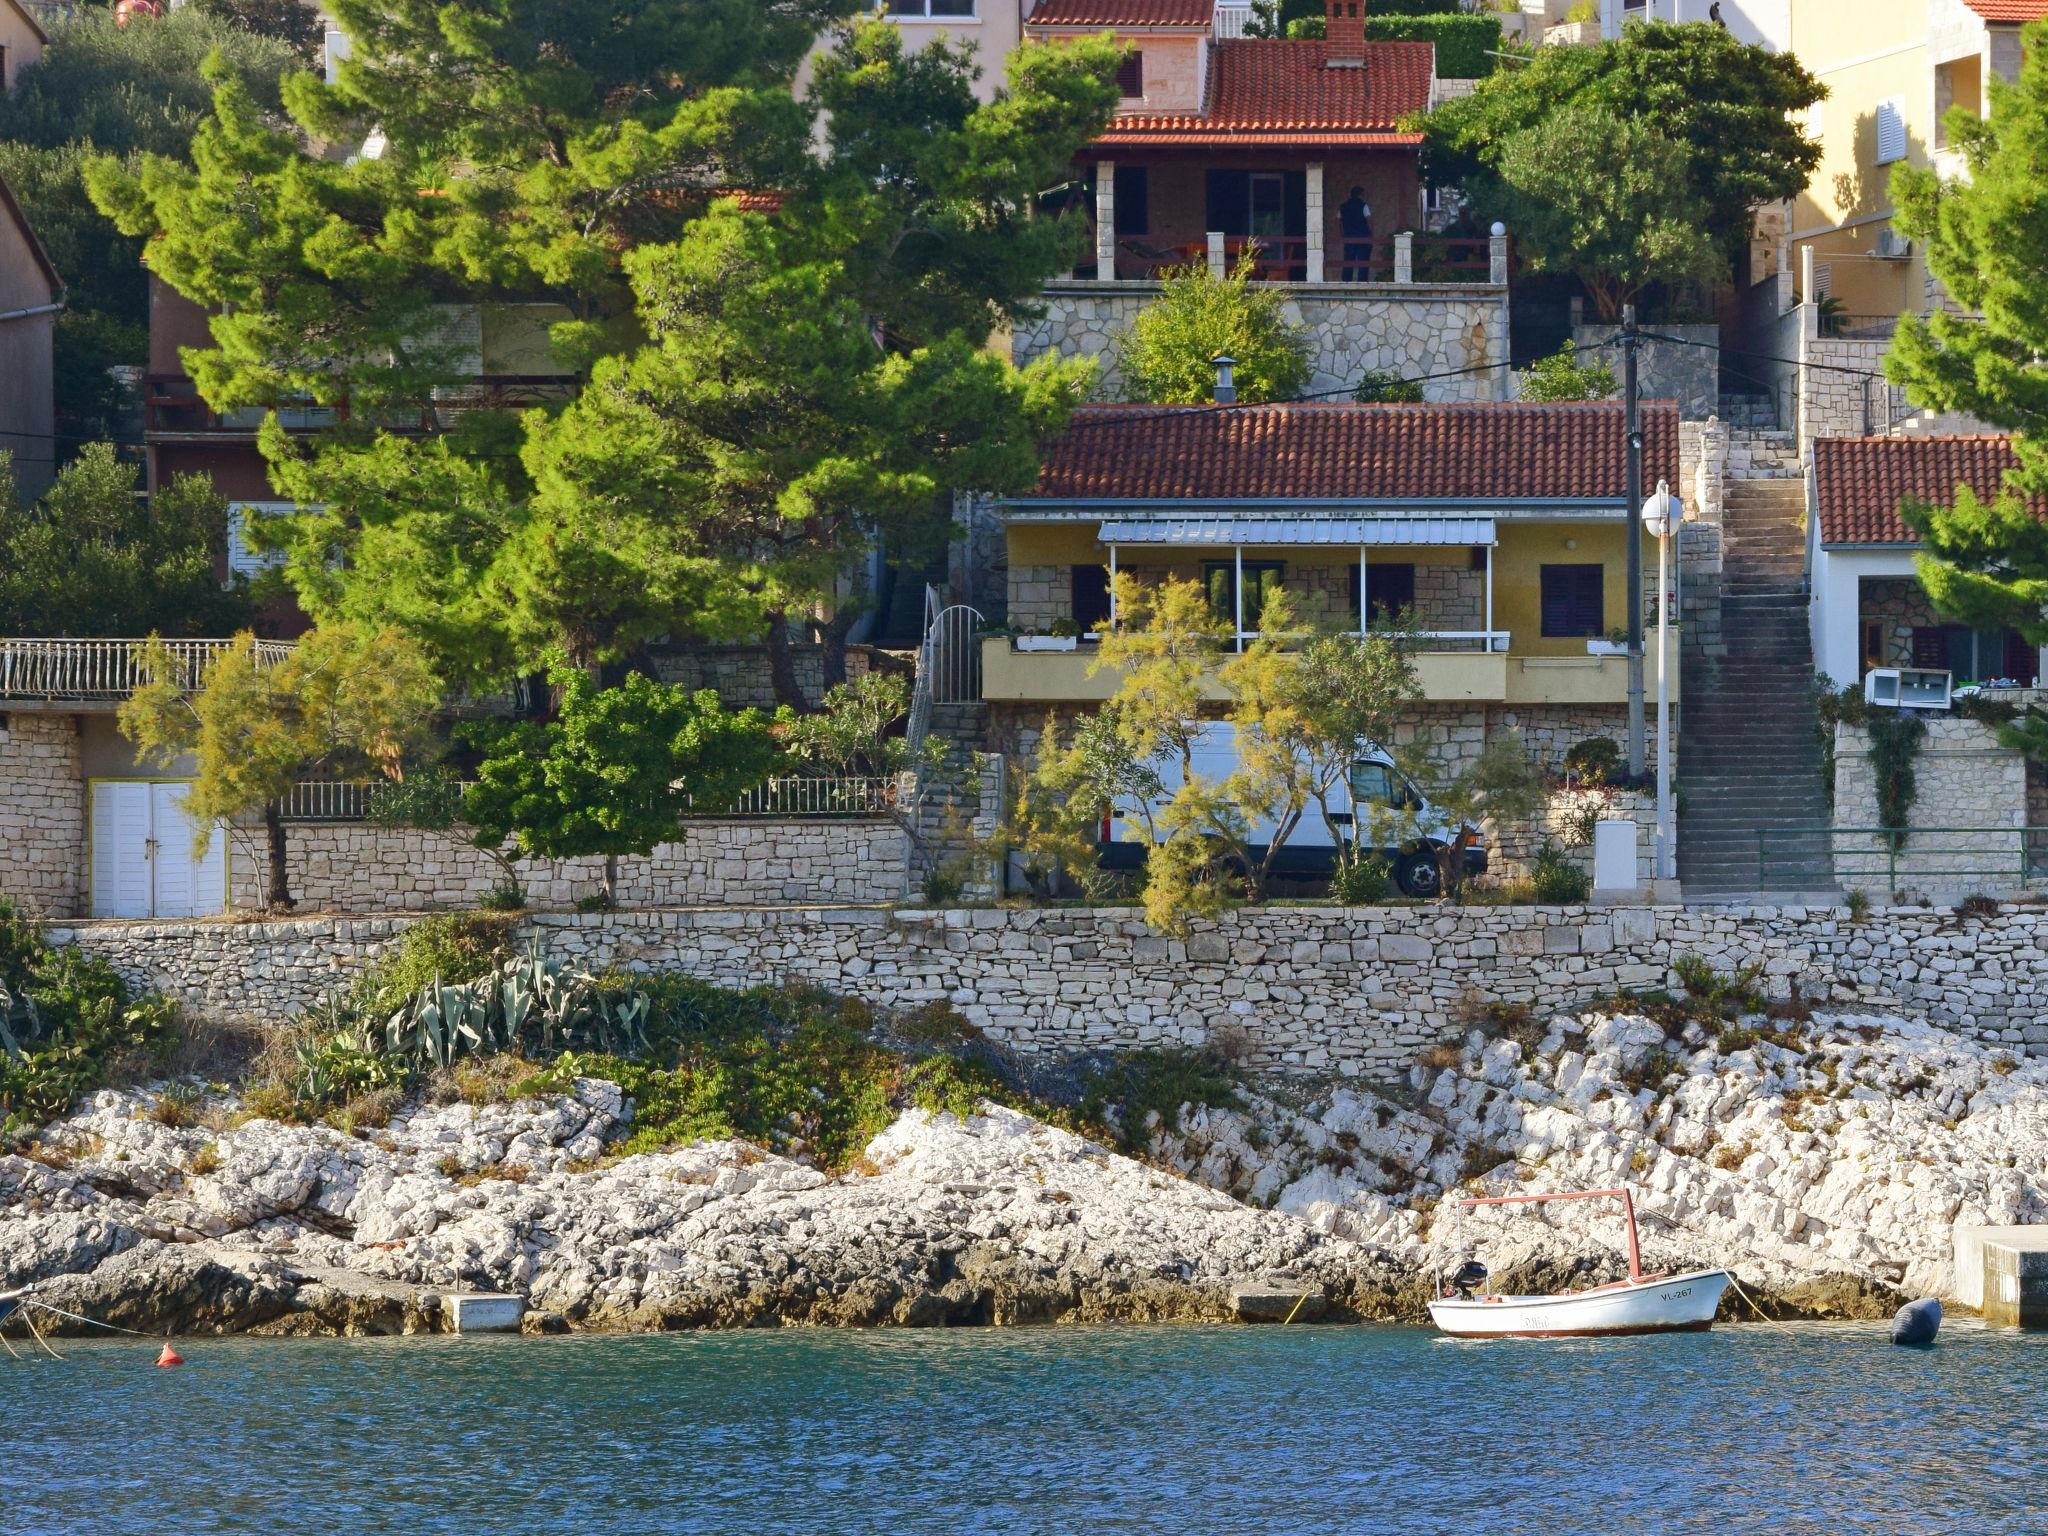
[1606, 648]
[1048, 642]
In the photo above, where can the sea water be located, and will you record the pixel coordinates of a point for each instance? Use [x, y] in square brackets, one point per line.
[1275, 1430]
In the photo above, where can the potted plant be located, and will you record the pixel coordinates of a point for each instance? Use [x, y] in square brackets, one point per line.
[1615, 644]
[1060, 635]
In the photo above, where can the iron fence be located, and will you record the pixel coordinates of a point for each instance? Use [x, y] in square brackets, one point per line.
[1886, 859]
[790, 796]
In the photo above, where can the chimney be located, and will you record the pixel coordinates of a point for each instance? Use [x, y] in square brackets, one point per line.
[1226, 380]
[1344, 34]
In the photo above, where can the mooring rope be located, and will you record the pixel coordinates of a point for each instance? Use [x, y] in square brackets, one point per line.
[90, 1322]
[29, 1317]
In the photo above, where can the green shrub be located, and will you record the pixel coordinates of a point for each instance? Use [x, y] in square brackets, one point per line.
[1362, 882]
[1465, 45]
[1384, 386]
[68, 1026]
[1136, 1085]
[1558, 880]
[1596, 760]
[459, 946]
[1561, 379]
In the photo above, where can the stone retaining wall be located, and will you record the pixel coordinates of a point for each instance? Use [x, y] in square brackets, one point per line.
[1356, 991]
[42, 813]
[1415, 330]
[1965, 830]
[355, 867]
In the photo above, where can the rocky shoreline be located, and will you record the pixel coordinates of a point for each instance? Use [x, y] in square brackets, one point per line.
[1825, 1161]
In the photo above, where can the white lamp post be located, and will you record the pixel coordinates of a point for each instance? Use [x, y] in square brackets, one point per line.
[1662, 514]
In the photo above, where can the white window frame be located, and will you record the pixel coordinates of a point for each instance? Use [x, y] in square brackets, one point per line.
[1889, 119]
[889, 10]
[243, 560]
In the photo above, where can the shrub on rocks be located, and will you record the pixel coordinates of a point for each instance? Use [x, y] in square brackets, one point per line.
[68, 1025]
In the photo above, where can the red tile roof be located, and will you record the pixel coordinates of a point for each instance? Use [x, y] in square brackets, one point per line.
[1257, 452]
[1122, 13]
[2009, 10]
[1265, 91]
[1860, 481]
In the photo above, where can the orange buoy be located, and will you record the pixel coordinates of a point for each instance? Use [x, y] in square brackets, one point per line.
[170, 1356]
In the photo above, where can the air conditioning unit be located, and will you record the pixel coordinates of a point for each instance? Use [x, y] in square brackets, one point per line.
[1907, 688]
[1893, 246]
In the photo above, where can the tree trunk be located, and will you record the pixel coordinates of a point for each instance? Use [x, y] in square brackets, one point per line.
[832, 656]
[280, 880]
[611, 882]
[782, 664]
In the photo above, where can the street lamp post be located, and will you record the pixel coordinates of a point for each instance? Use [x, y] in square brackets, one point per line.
[1662, 514]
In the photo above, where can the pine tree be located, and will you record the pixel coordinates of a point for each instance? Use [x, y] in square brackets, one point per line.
[766, 395]
[1985, 561]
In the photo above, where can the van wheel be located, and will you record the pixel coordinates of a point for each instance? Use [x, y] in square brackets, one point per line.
[1419, 875]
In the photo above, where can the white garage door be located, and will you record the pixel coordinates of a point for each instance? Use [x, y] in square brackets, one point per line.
[142, 859]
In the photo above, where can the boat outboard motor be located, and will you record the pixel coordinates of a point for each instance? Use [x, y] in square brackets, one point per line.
[1468, 1279]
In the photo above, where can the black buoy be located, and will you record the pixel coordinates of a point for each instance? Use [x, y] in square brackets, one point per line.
[1917, 1322]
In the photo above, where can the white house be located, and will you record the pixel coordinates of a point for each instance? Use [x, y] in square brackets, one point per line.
[1868, 609]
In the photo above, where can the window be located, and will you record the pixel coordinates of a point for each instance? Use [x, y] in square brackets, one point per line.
[1393, 591]
[1130, 75]
[1248, 202]
[1891, 130]
[1261, 577]
[1974, 655]
[1574, 602]
[1372, 782]
[931, 7]
[243, 557]
[1091, 597]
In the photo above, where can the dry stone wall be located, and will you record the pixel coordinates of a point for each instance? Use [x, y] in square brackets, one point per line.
[357, 868]
[1356, 991]
[42, 814]
[1416, 330]
[1965, 831]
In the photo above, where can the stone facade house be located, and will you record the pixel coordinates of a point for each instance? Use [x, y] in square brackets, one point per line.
[1501, 530]
[1229, 146]
[1868, 608]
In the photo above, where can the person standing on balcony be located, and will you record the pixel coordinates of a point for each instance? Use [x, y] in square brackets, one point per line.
[1355, 215]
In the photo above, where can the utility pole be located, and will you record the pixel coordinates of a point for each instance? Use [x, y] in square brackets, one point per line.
[1634, 534]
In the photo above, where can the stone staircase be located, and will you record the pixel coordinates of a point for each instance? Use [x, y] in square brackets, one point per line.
[1750, 765]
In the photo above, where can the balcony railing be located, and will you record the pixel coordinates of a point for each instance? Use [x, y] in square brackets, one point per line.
[1404, 258]
[172, 406]
[788, 797]
[87, 671]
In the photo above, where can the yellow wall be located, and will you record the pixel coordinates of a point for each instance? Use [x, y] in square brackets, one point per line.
[1517, 582]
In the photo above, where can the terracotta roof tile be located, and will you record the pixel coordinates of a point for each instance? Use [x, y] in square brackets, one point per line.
[1261, 90]
[1484, 452]
[1122, 13]
[1860, 481]
[2009, 10]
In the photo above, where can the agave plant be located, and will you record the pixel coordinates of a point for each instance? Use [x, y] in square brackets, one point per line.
[528, 1001]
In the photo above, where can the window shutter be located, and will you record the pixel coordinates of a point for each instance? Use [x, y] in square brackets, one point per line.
[1891, 130]
[1130, 75]
[1574, 602]
[1091, 597]
[1930, 646]
[2021, 659]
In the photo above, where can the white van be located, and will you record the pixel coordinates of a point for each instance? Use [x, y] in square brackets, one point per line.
[1373, 780]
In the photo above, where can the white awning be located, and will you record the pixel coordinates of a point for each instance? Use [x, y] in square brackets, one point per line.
[1351, 531]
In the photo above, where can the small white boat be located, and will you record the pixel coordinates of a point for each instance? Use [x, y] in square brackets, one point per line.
[1642, 1303]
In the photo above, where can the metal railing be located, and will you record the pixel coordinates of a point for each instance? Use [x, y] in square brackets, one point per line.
[1230, 21]
[790, 796]
[89, 670]
[1885, 859]
[1838, 327]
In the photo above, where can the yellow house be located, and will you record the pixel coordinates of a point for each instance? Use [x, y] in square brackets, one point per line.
[1499, 530]
[1893, 69]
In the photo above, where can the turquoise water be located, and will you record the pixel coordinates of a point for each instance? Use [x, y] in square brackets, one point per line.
[1301, 1430]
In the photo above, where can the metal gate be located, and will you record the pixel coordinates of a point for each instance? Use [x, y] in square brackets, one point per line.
[949, 657]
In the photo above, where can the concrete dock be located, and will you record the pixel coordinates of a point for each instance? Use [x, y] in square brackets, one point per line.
[2003, 1273]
